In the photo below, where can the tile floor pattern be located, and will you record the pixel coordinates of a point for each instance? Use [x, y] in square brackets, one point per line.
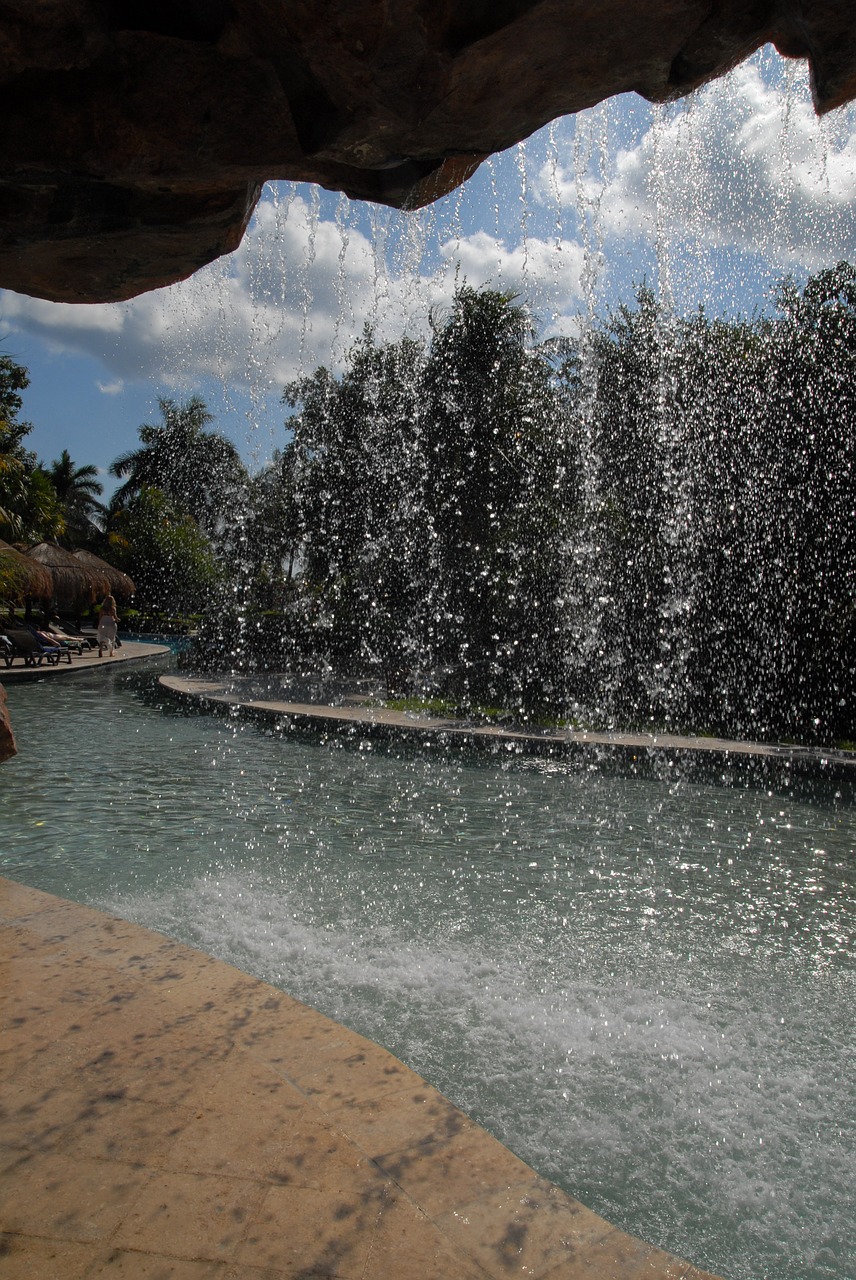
[164, 1116]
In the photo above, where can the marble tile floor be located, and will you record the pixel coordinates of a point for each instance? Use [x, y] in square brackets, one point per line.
[164, 1116]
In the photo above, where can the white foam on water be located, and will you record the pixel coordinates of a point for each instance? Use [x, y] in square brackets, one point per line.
[643, 987]
[708, 1118]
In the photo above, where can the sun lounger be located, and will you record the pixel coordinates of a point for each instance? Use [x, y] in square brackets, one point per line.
[34, 653]
[77, 644]
[68, 631]
[45, 638]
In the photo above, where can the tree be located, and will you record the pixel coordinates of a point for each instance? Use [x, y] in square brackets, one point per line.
[654, 525]
[165, 552]
[77, 489]
[425, 500]
[500, 493]
[14, 378]
[199, 470]
[723, 487]
[29, 509]
[14, 459]
[273, 525]
[808, 421]
[357, 470]
[629, 572]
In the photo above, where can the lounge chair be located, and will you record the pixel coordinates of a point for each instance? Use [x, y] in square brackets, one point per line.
[77, 644]
[34, 653]
[50, 641]
[68, 631]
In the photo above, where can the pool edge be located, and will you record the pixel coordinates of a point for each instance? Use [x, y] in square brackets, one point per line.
[123, 1054]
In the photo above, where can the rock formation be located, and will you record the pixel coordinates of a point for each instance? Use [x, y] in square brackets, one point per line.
[7, 740]
[137, 133]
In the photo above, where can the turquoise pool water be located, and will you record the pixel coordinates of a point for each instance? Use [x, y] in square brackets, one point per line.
[645, 988]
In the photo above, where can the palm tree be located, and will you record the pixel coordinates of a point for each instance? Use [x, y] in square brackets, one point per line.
[78, 490]
[199, 470]
[29, 508]
[13, 489]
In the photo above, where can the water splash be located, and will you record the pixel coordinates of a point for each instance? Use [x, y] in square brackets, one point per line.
[545, 944]
[560, 934]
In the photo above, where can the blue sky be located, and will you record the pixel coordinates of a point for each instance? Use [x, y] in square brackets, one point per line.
[711, 200]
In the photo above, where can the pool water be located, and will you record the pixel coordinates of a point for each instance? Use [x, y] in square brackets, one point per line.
[644, 988]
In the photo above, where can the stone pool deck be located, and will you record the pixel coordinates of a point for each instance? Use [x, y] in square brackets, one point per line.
[131, 651]
[167, 1117]
[300, 702]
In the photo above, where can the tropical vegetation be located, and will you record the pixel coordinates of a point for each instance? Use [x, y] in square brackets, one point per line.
[650, 525]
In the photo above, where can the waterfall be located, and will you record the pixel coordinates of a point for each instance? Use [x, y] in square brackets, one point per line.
[564, 448]
[611, 230]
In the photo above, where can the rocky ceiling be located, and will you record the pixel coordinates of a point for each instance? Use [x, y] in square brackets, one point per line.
[137, 133]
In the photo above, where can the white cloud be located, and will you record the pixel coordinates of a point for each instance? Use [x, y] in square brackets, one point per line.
[546, 273]
[295, 294]
[114, 388]
[279, 301]
[54, 320]
[744, 164]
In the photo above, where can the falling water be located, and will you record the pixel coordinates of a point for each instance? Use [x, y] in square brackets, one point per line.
[643, 987]
[599, 934]
[588, 591]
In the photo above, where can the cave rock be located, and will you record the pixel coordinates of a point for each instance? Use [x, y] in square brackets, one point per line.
[137, 134]
[7, 738]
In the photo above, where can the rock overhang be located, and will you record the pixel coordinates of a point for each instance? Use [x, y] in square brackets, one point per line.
[138, 133]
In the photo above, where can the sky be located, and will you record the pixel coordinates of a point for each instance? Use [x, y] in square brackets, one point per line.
[711, 201]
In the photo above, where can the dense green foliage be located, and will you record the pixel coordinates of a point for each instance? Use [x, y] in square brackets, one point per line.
[182, 498]
[196, 468]
[78, 490]
[652, 526]
[178, 510]
[29, 507]
[161, 546]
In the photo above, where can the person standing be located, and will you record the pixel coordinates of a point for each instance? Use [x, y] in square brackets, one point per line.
[108, 627]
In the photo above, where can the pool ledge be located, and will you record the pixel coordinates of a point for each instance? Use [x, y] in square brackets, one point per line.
[167, 1115]
[259, 696]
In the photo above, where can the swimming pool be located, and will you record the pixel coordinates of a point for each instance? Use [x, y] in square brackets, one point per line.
[644, 988]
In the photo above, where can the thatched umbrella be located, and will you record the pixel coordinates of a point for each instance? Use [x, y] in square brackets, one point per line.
[75, 585]
[120, 584]
[22, 576]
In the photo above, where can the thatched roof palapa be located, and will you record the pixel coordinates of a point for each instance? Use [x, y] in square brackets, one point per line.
[120, 584]
[74, 584]
[27, 577]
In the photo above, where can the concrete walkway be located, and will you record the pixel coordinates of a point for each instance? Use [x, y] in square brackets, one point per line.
[166, 1117]
[298, 701]
[131, 651]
